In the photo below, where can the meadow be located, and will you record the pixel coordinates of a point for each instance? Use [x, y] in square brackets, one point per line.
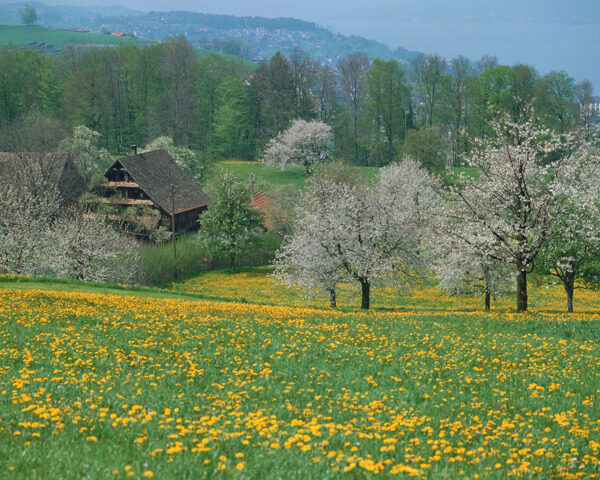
[259, 383]
[273, 175]
[20, 35]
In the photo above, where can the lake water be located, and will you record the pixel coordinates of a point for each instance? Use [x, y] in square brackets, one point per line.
[574, 48]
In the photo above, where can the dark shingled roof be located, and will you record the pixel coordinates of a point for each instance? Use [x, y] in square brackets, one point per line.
[155, 172]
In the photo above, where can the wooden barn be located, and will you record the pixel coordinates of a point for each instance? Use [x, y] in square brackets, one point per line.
[153, 179]
[57, 168]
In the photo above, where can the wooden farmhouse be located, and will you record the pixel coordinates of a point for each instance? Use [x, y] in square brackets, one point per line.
[153, 179]
[56, 168]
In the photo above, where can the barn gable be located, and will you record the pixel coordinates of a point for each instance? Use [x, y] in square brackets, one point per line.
[146, 179]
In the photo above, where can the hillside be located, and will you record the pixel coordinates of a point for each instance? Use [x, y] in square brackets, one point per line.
[57, 16]
[51, 40]
[254, 38]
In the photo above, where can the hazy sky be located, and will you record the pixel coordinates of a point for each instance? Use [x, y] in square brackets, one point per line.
[548, 34]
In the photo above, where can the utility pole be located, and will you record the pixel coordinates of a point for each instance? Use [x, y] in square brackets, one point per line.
[173, 219]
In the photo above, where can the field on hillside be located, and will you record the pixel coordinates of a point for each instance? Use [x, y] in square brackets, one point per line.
[270, 177]
[295, 175]
[20, 35]
[100, 385]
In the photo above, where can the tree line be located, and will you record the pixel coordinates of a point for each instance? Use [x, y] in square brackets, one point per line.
[224, 107]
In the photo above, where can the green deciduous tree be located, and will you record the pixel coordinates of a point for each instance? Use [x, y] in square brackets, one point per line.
[353, 71]
[176, 109]
[457, 97]
[555, 101]
[429, 70]
[427, 146]
[275, 91]
[49, 91]
[386, 109]
[28, 15]
[229, 225]
[232, 133]
[304, 78]
[584, 92]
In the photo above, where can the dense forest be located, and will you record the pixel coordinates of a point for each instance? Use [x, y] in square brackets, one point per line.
[224, 107]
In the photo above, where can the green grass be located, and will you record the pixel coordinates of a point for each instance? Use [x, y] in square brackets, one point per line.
[296, 176]
[69, 285]
[158, 266]
[98, 385]
[20, 35]
[205, 53]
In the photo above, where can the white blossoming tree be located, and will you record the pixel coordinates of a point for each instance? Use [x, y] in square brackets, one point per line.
[302, 262]
[37, 237]
[84, 247]
[360, 233]
[459, 263]
[29, 203]
[572, 250]
[527, 176]
[304, 143]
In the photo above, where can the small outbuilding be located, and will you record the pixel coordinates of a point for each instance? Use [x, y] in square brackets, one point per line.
[274, 217]
[155, 180]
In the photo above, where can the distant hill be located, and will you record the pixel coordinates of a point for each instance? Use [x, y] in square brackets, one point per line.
[51, 40]
[255, 38]
[57, 16]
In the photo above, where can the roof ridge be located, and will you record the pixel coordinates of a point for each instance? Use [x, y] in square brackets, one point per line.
[146, 153]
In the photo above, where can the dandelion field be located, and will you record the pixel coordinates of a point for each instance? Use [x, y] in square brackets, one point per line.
[120, 386]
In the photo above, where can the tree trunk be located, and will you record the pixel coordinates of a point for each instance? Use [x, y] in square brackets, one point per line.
[522, 291]
[366, 294]
[488, 290]
[355, 137]
[332, 298]
[569, 284]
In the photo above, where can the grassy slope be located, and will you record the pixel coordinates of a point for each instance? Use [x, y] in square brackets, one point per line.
[277, 176]
[296, 176]
[95, 385]
[20, 35]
